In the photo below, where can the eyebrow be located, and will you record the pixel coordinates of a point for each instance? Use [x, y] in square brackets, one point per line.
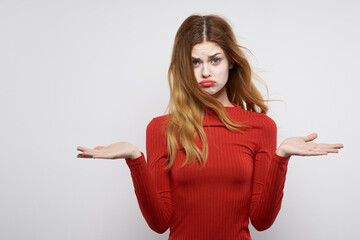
[209, 56]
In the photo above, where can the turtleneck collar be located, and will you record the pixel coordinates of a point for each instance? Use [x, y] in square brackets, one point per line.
[211, 119]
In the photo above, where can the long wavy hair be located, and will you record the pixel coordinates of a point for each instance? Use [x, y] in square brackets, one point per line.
[188, 101]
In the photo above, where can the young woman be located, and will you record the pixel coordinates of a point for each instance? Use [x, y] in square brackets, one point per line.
[212, 163]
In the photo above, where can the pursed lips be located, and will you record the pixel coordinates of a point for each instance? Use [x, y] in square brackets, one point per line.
[207, 82]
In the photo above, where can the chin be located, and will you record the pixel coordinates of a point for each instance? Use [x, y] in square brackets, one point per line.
[210, 90]
[214, 94]
[215, 90]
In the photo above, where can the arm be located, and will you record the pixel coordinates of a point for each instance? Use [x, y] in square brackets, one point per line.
[268, 179]
[151, 181]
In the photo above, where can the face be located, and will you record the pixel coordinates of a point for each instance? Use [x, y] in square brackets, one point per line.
[211, 68]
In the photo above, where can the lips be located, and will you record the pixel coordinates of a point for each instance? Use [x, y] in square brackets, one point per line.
[207, 82]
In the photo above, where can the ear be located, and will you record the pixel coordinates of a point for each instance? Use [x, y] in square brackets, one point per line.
[231, 65]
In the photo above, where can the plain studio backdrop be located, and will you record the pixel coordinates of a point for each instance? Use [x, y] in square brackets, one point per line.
[87, 73]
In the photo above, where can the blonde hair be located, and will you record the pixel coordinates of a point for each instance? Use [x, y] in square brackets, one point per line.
[188, 101]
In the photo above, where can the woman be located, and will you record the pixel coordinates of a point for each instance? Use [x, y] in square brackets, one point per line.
[212, 162]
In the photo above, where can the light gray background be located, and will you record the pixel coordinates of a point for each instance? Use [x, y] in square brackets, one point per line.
[95, 72]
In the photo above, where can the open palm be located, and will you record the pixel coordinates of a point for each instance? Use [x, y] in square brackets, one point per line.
[112, 151]
[303, 146]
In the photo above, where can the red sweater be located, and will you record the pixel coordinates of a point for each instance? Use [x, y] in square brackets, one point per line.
[243, 179]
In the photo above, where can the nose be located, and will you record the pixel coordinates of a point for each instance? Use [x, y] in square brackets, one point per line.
[205, 71]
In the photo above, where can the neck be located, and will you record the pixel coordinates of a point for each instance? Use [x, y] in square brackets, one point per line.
[222, 97]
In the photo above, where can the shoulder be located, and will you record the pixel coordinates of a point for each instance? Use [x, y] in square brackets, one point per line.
[158, 125]
[262, 123]
[156, 142]
[264, 132]
[265, 121]
[260, 120]
[267, 131]
[159, 121]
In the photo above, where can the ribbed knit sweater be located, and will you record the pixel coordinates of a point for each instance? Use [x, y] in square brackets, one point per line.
[243, 179]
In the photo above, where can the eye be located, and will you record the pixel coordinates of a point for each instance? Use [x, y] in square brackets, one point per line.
[215, 60]
[195, 62]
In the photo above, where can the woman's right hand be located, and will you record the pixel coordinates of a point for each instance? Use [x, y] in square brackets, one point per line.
[112, 151]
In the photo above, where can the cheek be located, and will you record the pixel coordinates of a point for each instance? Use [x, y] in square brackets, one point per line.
[223, 73]
[197, 74]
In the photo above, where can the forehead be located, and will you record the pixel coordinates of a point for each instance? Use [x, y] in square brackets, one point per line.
[206, 49]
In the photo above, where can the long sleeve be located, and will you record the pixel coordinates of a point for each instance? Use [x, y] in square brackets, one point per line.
[242, 181]
[151, 181]
[268, 179]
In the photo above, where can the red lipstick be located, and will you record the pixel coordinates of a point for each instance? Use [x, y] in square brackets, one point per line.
[207, 83]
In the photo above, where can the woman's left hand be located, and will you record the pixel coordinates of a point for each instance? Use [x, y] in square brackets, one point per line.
[303, 146]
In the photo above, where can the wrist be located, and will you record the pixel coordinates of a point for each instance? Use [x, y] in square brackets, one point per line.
[280, 152]
[135, 153]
